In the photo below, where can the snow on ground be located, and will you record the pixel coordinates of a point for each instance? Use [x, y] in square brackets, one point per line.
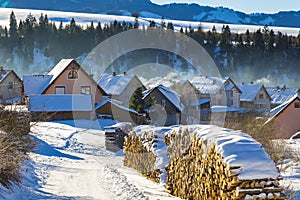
[71, 163]
[290, 170]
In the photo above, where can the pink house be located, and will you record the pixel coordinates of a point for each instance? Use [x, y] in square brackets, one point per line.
[285, 118]
[67, 79]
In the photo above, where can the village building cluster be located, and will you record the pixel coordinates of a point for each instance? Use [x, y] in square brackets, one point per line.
[69, 92]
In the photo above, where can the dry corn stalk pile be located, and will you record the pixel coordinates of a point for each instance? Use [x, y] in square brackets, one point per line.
[204, 162]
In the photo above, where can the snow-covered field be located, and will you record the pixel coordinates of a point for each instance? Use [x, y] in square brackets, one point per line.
[70, 162]
[86, 18]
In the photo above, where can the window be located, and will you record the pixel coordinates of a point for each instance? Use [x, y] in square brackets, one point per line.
[163, 103]
[9, 85]
[60, 90]
[85, 89]
[73, 74]
[297, 105]
[261, 96]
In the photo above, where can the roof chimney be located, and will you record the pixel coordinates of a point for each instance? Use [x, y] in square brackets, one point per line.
[1, 68]
[125, 73]
[251, 82]
[243, 83]
[114, 73]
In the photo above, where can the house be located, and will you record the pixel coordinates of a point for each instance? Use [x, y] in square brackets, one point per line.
[168, 107]
[10, 86]
[280, 95]
[66, 78]
[197, 109]
[109, 108]
[255, 98]
[284, 119]
[221, 91]
[62, 107]
[120, 87]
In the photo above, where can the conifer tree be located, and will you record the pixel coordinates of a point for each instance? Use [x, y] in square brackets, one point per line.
[136, 101]
[13, 26]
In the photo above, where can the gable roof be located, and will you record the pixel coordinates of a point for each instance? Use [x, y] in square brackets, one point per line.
[281, 95]
[60, 103]
[115, 85]
[249, 91]
[5, 73]
[43, 82]
[36, 84]
[172, 96]
[277, 110]
[211, 85]
[188, 84]
[99, 105]
[59, 68]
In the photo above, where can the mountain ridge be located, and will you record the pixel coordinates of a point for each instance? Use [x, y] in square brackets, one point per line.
[176, 11]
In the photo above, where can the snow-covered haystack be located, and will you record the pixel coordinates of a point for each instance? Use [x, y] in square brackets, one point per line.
[203, 162]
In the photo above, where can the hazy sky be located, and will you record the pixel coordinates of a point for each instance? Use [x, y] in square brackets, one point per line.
[247, 6]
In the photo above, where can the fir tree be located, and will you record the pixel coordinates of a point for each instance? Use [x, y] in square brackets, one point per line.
[136, 101]
[13, 26]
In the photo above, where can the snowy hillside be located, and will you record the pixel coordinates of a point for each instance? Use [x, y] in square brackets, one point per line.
[145, 8]
[86, 18]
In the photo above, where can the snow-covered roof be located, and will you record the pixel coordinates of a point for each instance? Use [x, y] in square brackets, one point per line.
[99, 105]
[216, 109]
[200, 102]
[114, 85]
[208, 85]
[59, 68]
[172, 96]
[169, 80]
[275, 111]
[4, 74]
[36, 84]
[249, 91]
[281, 95]
[60, 103]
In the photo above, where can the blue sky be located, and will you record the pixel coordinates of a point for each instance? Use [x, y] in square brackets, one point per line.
[247, 6]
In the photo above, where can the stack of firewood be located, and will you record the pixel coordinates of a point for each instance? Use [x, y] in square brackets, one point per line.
[139, 157]
[197, 168]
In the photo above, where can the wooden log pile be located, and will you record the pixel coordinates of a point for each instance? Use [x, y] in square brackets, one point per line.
[139, 157]
[206, 164]
[115, 135]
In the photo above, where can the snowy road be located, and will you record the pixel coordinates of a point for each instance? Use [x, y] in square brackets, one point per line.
[72, 163]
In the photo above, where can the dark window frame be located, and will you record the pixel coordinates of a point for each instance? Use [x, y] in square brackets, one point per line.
[73, 74]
